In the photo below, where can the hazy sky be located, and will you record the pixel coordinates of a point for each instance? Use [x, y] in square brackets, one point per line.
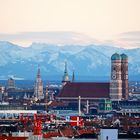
[111, 21]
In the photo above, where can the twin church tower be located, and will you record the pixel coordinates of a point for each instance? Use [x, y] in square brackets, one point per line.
[119, 77]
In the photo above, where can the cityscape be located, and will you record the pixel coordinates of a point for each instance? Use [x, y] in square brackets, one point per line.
[69, 70]
[59, 108]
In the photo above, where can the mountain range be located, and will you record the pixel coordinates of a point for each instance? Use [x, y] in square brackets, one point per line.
[91, 62]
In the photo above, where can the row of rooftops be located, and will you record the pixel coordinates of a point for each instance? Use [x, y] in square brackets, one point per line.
[117, 56]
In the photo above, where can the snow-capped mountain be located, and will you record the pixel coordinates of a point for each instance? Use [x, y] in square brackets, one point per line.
[91, 60]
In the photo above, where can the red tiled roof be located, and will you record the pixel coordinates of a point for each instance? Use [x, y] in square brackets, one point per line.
[92, 90]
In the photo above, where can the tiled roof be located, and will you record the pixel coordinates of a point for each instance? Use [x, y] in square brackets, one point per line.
[93, 90]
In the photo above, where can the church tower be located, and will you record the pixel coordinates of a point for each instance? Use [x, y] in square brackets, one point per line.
[38, 89]
[116, 78]
[124, 69]
[73, 77]
[65, 76]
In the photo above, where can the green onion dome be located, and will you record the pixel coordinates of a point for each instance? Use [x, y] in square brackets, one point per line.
[124, 56]
[115, 56]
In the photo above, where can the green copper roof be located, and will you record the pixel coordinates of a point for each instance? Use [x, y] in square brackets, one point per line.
[115, 56]
[124, 56]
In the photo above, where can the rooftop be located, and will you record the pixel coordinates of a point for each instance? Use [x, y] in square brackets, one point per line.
[84, 89]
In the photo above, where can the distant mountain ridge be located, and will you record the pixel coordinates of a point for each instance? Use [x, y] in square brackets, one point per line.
[90, 60]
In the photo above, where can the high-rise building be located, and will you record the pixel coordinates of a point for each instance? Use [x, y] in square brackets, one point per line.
[11, 83]
[65, 76]
[38, 89]
[119, 77]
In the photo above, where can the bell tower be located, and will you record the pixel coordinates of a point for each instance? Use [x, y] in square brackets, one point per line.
[38, 88]
[124, 69]
[65, 76]
[116, 78]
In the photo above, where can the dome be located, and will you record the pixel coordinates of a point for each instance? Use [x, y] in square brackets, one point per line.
[115, 56]
[124, 56]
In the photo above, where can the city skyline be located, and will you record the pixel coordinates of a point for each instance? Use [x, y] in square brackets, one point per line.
[84, 22]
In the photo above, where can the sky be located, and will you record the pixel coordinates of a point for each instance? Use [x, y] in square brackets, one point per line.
[115, 22]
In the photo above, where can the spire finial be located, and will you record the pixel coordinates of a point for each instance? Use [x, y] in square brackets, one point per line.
[66, 67]
[38, 72]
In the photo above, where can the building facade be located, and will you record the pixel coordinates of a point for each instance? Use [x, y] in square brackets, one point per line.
[105, 105]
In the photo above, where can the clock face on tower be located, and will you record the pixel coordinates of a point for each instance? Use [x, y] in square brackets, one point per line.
[114, 72]
[114, 76]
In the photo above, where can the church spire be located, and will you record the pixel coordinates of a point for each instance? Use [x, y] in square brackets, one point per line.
[65, 76]
[66, 71]
[38, 88]
[73, 76]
